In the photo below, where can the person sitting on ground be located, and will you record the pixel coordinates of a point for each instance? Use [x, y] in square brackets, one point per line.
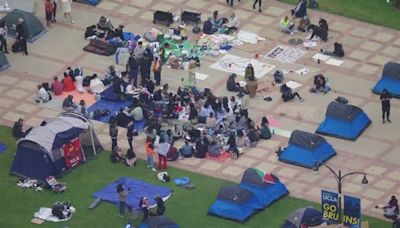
[215, 149]
[304, 24]
[211, 124]
[208, 27]
[233, 24]
[130, 159]
[231, 145]
[177, 132]
[119, 33]
[320, 85]
[116, 155]
[160, 206]
[337, 51]
[96, 85]
[186, 150]
[320, 31]
[68, 83]
[57, 87]
[17, 130]
[287, 93]
[68, 104]
[251, 87]
[201, 147]
[286, 25]
[301, 9]
[253, 136]
[81, 108]
[241, 140]
[42, 96]
[231, 84]
[216, 20]
[263, 129]
[79, 83]
[105, 24]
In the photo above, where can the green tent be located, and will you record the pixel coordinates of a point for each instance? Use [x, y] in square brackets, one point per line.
[3, 61]
[33, 26]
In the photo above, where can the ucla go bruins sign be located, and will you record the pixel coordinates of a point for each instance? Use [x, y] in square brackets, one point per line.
[330, 208]
[351, 212]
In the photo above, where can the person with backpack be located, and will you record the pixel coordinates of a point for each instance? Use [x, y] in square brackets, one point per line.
[287, 93]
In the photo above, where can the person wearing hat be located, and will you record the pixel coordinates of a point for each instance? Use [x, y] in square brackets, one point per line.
[21, 35]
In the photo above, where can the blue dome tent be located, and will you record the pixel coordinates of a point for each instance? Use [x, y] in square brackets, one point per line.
[343, 121]
[306, 149]
[390, 80]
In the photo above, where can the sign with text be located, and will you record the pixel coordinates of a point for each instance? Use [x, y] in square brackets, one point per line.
[330, 207]
[352, 212]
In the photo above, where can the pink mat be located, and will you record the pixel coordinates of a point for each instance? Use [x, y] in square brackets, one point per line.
[87, 97]
[273, 122]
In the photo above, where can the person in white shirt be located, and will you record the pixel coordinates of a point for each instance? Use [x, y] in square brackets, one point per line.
[233, 23]
[3, 37]
[96, 85]
[79, 84]
[42, 96]
[162, 150]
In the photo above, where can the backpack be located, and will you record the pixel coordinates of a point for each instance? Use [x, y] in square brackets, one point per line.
[342, 100]
[172, 154]
[278, 76]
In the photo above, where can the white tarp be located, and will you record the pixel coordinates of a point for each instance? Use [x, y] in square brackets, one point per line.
[236, 64]
[248, 37]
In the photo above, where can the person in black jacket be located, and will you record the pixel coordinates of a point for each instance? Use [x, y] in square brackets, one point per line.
[17, 130]
[231, 84]
[337, 51]
[385, 100]
[132, 67]
[21, 35]
[301, 9]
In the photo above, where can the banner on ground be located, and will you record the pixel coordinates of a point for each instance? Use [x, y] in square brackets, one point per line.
[352, 212]
[330, 208]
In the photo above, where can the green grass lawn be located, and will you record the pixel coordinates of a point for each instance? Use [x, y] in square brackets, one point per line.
[186, 207]
[373, 11]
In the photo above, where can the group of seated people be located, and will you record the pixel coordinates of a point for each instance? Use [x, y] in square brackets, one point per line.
[215, 24]
[104, 29]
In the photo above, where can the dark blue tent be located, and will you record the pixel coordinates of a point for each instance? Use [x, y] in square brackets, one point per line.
[306, 149]
[390, 80]
[90, 2]
[158, 222]
[40, 154]
[265, 193]
[307, 216]
[138, 190]
[343, 121]
[233, 203]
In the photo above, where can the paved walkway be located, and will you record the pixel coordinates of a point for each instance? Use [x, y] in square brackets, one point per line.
[367, 48]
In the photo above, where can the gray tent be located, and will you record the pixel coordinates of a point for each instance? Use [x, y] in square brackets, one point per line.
[234, 193]
[305, 140]
[342, 111]
[3, 61]
[33, 27]
[308, 216]
[391, 69]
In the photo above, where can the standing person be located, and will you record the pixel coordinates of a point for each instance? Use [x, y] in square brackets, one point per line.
[132, 67]
[162, 150]
[3, 37]
[230, 2]
[66, 8]
[249, 72]
[157, 65]
[385, 100]
[129, 133]
[113, 134]
[54, 11]
[144, 205]
[259, 5]
[48, 8]
[21, 35]
[122, 194]
[150, 153]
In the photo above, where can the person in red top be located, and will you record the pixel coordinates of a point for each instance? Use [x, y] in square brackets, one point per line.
[68, 83]
[150, 153]
[57, 86]
[48, 7]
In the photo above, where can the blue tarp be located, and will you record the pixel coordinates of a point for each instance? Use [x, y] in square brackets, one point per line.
[90, 2]
[340, 128]
[391, 84]
[3, 148]
[138, 190]
[112, 106]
